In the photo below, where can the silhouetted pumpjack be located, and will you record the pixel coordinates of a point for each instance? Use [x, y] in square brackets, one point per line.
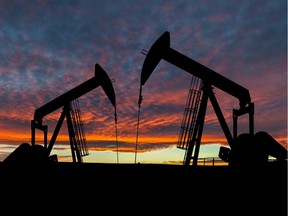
[161, 50]
[36, 152]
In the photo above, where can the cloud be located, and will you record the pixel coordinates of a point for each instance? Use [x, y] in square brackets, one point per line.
[49, 47]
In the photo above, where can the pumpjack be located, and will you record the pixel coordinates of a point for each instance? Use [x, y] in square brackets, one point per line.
[68, 102]
[210, 79]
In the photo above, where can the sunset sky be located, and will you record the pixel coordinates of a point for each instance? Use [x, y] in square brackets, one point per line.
[48, 47]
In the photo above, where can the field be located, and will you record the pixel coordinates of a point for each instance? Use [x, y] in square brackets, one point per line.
[147, 187]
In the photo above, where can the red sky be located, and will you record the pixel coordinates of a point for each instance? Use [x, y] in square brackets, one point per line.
[49, 47]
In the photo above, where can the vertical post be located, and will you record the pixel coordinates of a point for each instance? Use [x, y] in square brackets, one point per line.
[251, 118]
[197, 133]
[235, 122]
[70, 131]
[45, 130]
[32, 133]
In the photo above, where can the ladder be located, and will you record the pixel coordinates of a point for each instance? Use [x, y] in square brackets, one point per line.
[190, 115]
[78, 127]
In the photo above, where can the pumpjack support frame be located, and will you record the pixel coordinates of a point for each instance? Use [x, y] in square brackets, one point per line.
[100, 78]
[161, 50]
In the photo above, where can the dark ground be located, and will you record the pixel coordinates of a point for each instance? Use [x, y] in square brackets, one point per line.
[144, 189]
